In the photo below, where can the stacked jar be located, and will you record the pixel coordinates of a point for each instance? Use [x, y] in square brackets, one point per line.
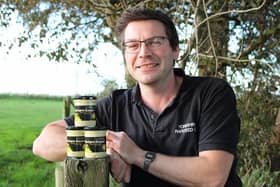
[85, 139]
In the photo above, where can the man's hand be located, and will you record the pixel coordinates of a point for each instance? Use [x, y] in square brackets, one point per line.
[120, 170]
[125, 147]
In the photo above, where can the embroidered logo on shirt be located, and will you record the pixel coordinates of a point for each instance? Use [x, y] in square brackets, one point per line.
[185, 128]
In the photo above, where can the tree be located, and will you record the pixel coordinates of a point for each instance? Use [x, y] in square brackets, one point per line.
[205, 28]
[237, 40]
[109, 86]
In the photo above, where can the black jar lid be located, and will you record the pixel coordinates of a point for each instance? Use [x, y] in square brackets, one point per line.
[84, 97]
[89, 128]
[74, 128]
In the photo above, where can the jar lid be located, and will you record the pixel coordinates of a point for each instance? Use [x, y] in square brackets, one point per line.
[86, 97]
[88, 128]
[74, 128]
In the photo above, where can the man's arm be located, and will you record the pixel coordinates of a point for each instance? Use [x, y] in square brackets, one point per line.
[51, 143]
[210, 168]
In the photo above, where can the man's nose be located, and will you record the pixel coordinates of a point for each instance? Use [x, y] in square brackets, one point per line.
[144, 49]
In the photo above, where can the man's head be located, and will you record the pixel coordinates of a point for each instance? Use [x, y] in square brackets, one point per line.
[140, 14]
[150, 46]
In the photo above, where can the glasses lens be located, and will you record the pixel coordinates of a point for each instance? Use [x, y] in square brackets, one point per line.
[132, 46]
[154, 42]
[151, 43]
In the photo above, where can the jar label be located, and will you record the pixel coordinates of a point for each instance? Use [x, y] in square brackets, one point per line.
[95, 147]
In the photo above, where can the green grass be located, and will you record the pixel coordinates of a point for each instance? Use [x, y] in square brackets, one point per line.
[21, 120]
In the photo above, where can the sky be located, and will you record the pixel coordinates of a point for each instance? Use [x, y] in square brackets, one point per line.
[39, 76]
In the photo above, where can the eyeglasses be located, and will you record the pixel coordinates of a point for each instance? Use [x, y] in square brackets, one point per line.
[152, 43]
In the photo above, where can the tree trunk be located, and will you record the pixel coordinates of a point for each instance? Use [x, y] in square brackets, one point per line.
[275, 158]
[212, 41]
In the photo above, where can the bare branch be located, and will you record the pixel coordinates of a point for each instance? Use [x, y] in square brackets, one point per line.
[210, 38]
[196, 31]
[237, 60]
[231, 11]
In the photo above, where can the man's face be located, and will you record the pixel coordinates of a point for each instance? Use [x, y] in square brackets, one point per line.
[148, 62]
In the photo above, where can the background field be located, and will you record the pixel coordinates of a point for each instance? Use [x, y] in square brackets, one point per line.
[22, 119]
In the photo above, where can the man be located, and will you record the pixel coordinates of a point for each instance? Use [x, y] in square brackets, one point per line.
[168, 130]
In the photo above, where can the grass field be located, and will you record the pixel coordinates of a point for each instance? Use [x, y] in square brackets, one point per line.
[21, 120]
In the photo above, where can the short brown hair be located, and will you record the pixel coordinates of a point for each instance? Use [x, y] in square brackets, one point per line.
[140, 13]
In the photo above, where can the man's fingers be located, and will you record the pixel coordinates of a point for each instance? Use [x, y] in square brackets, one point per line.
[114, 140]
[127, 174]
[120, 170]
[111, 135]
[124, 174]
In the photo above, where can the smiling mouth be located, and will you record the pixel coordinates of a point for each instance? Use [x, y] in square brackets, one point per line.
[147, 65]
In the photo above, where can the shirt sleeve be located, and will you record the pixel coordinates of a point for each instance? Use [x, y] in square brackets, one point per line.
[69, 120]
[219, 122]
[104, 112]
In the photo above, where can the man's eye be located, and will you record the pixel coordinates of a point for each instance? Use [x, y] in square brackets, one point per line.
[154, 42]
[132, 45]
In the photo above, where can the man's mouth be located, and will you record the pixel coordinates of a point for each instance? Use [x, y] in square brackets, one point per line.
[147, 65]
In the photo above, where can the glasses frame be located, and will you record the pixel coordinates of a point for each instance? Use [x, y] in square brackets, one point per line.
[152, 43]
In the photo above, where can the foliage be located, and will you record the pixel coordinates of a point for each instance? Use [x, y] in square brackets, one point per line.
[207, 30]
[261, 177]
[109, 86]
[230, 39]
[235, 40]
[257, 148]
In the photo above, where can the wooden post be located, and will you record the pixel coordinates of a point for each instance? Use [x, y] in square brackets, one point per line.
[86, 172]
[59, 174]
[59, 169]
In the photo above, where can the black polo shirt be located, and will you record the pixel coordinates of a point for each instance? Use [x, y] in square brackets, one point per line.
[202, 116]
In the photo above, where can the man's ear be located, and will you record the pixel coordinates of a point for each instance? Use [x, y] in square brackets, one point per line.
[176, 53]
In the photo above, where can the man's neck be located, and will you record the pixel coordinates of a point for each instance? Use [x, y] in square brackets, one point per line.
[158, 97]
